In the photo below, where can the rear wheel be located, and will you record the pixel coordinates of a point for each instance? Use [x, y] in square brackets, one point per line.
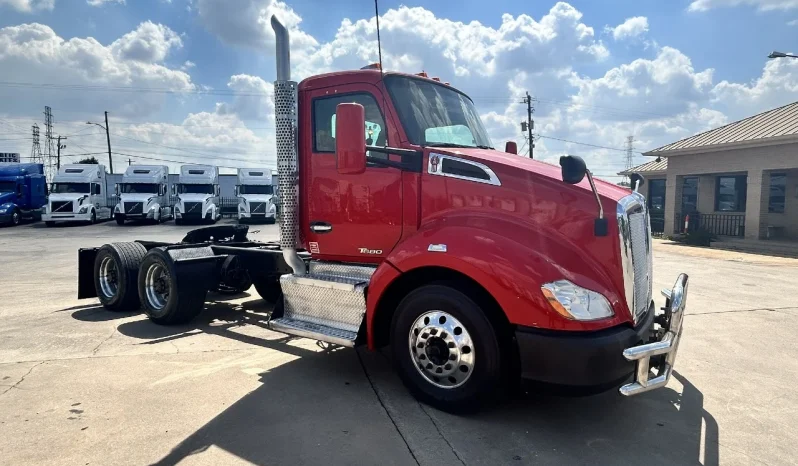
[164, 302]
[269, 290]
[446, 350]
[115, 271]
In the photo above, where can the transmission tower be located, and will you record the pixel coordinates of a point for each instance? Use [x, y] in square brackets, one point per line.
[36, 150]
[48, 136]
[630, 140]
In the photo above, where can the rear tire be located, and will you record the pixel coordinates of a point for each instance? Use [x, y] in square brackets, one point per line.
[269, 290]
[116, 269]
[454, 372]
[162, 299]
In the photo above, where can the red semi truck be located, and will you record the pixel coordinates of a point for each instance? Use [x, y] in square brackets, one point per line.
[401, 226]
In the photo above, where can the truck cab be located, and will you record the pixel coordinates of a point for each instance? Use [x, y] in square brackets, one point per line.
[256, 195]
[402, 226]
[143, 194]
[197, 194]
[77, 193]
[23, 191]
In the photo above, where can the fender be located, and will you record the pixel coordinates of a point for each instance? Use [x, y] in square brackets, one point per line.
[511, 266]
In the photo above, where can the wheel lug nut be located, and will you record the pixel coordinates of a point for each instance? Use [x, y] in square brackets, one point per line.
[452, 357]
[443, 335]
[447, 367]
[424, 335]
[434, 331]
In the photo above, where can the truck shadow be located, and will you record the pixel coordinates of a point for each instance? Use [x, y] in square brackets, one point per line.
[320, 408]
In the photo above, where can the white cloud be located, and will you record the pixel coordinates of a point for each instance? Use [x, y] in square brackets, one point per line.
[778, 85]
[248, 22]
[34, 53]
[103, 2]
[149, 42]
[254, 98]
[793, 22]
[29, 6]
[761, 5]
[632, 27]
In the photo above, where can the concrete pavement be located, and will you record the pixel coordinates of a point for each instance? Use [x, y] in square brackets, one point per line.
[81, 385]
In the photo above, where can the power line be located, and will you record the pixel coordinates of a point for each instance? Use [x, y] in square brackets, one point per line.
[183, 161]
[586, 144]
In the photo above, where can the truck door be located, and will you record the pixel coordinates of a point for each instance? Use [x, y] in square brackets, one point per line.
[355, 218]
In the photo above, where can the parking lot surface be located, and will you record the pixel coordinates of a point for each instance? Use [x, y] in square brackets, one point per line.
[81, 385]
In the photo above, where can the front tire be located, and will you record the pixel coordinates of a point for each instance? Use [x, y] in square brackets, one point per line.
[93, 219]
[16, 218]
[116, 269]
[120, 221]
[446, 350]
[179, 221]
[163, 300]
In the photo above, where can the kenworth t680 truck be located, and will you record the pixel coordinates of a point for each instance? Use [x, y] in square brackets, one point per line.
[402, 226]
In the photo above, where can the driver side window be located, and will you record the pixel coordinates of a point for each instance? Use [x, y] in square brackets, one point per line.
[324, 122]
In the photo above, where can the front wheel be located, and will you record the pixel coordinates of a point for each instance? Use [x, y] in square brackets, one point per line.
[15, 218]
[164, 302]
[93, 219]
[446, 350]
[120, 221]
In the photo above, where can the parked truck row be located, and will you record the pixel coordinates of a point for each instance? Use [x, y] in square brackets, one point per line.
[83, 193]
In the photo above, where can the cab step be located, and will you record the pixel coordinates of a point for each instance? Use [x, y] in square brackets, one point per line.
[328, 304]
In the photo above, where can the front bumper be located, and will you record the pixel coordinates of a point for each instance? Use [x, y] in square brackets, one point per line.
[606, 358]
[67, 217]
[5, 218]
[267, 217]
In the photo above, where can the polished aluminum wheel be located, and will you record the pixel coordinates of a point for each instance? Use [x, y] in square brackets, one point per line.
[109, 277]
[156, 284]
[441, 349]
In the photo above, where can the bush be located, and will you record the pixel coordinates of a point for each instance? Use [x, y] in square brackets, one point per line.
[699, 238]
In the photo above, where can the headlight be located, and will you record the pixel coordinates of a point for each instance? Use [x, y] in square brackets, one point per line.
[83, 209]
[3, 210]
[576, 303]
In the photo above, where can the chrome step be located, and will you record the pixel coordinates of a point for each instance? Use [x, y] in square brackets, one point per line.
[325, 307]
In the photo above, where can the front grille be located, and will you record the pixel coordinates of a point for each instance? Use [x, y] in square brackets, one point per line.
[641, 261]
[134, 208]
[193, 209]
[61, 207]
[258, 208]
[635, 242]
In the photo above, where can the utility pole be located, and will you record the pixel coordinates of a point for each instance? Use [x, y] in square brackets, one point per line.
[630, 140]
[108, 138]
[529, 124]
[36, 149]
[48, 137]
[129, 162]
[60, 146]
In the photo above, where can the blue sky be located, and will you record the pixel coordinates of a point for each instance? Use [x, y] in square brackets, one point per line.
[601, 70]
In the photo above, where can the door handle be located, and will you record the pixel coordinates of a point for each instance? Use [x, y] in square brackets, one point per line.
[320, 227]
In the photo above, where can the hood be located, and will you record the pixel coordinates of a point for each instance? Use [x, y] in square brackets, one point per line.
[136, 197]
[504, 162]
[7, 197]
[256, 197]
[67, 197]
[193, 197]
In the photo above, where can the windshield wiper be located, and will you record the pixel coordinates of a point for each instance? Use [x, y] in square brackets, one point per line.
[451, 144]
[484, 147]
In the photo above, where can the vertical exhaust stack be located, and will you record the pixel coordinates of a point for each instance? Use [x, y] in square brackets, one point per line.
[285, 108]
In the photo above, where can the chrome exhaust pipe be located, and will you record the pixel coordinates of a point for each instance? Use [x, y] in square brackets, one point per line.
[285, 122]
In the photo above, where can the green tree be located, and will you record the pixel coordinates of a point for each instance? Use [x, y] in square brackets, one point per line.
[92, 160]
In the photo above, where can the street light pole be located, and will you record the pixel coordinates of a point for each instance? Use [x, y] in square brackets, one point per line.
[775, 54]
[107, 138]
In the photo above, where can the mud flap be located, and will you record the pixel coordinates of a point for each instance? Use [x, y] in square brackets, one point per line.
[86, 288]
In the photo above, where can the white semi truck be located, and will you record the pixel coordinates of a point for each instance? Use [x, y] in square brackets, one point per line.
[197, 193]
[143, 194]
[78, 194]
[256, 196]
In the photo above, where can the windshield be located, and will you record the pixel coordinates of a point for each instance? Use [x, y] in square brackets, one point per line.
[138, 188]
[70, 188]
[195, 189]
[436, 115]
[7, 186]
[256, 189]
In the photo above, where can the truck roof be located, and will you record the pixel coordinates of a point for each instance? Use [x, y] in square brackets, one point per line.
[369, 76]
[145, 174]
[255, 176]
[21, 169]
[79, 173]
[198, 174]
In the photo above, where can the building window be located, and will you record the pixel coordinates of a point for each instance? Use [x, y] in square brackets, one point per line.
[689, 194]
[656, 196]
[778, 191]
[730, 193]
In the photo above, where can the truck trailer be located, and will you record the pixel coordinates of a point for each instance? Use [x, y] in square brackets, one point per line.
[477, 267]
[256, 196]
[143, 194]
[197, 192]
[78, 194]
[23, 192]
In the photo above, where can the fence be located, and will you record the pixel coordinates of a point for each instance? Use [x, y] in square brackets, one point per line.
[717, 224]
